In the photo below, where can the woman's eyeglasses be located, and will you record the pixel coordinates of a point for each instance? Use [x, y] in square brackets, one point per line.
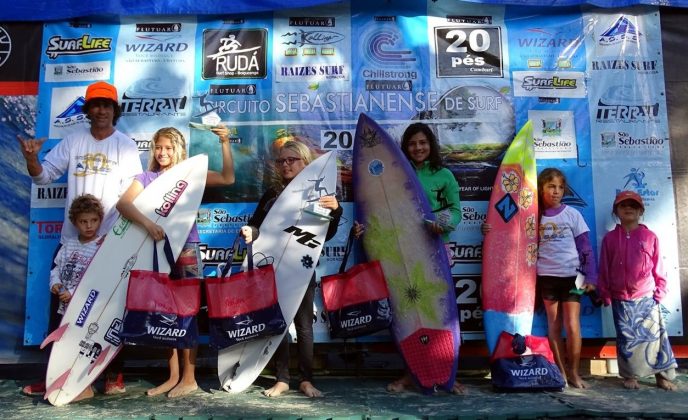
[289, 161]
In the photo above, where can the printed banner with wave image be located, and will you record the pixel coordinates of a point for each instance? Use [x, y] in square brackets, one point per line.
[592, 83]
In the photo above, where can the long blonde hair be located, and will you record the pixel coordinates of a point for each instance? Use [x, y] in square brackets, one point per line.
[301, 151]
[178, 142]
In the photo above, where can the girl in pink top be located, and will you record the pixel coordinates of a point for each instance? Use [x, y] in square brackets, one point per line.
[633, 281]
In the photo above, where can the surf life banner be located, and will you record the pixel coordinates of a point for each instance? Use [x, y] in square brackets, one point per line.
[591, 81]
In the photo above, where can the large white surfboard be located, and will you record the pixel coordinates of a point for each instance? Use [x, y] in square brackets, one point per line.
[88, 337]
[292, 238]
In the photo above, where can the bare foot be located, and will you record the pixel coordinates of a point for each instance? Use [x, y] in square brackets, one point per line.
[85, 394]
[405, 383]
[665, 384]
[577, 382]
[307, 388]
[276, 389]
[182, 389]
[161, 389]
[458, 388]
[633, 383]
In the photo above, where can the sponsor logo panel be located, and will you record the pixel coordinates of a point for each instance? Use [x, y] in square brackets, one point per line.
[626, 104]
[84, 45]
[235, 54]
[216, 220]
[310, 37]
[157, 43]
[155, 96]
[554, 134]
[468, 51]
[547, 47]
[639, 66]
[631, 142]
[66, 111]
[636, 179]
[48, 229]
[560, 84]
[390, 64]
[622, 31]
[48, 195]
[619, 35]
[313, 72]
[232, 89]
[311, 48]
[78, 72]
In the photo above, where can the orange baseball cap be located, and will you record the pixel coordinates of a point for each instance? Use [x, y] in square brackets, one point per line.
[102, 90]
[629, 195]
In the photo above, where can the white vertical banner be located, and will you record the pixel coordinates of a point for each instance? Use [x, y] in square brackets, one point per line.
[154, 74]
[630, 132]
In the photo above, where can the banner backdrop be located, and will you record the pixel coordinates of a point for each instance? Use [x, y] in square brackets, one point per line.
[591, 82]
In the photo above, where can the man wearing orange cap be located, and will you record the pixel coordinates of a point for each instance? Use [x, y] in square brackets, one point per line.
[98, 160]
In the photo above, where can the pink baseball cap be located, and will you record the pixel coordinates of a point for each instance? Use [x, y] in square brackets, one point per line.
[628, 195]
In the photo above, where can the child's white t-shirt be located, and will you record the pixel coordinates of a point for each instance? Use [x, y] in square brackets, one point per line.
[71, 262]
[557, 253]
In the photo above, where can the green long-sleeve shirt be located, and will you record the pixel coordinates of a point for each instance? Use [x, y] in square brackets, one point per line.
[442, 191]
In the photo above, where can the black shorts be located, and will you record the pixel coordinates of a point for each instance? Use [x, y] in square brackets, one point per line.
[558, 288]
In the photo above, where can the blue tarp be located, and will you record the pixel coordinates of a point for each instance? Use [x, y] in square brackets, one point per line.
[43, 10]
[13, 10]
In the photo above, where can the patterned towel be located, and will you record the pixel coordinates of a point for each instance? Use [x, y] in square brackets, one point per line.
[642, 342]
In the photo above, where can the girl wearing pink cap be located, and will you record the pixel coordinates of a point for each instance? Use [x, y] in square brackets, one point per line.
[633, 281]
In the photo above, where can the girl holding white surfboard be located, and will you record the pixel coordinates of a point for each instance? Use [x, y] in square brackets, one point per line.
[293, 157]
[169, 148]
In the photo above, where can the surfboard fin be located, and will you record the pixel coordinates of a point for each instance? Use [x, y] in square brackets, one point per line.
[100, 359]
[55, 335]
[234, 370]
[57, 384]
[227, 380]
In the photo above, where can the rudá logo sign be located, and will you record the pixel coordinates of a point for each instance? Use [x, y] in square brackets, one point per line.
[235, 54]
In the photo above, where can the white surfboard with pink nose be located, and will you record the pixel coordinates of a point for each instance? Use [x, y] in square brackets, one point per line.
[88, 337]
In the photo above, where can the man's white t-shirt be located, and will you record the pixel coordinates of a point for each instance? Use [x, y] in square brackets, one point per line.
[104, 168]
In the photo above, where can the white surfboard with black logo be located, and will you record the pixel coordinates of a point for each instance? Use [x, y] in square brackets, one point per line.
[291, 237]
[88, 337]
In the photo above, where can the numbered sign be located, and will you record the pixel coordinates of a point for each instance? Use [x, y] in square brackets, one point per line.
[468, 51]
[336, 139]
